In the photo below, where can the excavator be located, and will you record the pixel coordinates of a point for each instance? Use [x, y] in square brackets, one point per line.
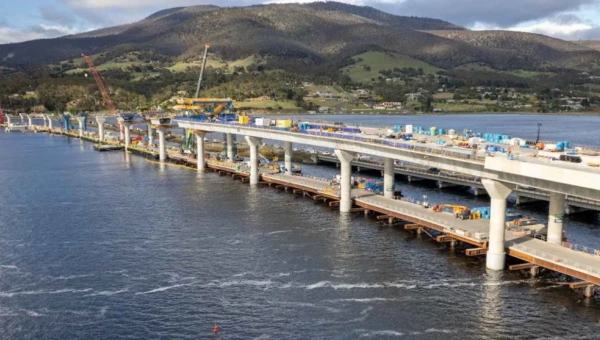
[459, 211]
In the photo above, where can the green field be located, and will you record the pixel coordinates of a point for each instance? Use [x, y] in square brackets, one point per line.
[459, 107]
[378, 61]
[443, 95]
[528, 74]
[213, 63]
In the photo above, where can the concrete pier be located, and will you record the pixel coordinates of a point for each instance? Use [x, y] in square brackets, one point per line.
[100, 120]
[287, 147]
[150, 133]
[126, 126]
[49, 117]
[162, 145]
[496, 257]
[556, 215]
[81, 121]
[230, 154]
[388, 178]
[253, 143]
[29, 121]
[200, 150]
[44, 118]
[345, 158]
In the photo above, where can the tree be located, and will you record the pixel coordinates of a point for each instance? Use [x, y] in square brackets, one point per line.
[585, 103]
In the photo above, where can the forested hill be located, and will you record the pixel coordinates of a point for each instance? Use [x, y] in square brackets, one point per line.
[314, 33]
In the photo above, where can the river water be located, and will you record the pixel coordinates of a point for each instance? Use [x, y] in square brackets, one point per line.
[106, 246]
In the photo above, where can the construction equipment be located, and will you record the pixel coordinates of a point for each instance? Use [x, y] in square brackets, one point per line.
[458, 211]
[206, 108]
[202, 70]
[103, 92]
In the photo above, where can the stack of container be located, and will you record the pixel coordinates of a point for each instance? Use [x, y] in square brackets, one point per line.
[374, 185]
[284, 123]
[495, 137]
[303, 126]
[244, 120]
[432, 131]
[441, 132]
[485, 212]
[562, 146]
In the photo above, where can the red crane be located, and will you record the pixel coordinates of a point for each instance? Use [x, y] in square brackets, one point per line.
[1, 115]
[107, 100]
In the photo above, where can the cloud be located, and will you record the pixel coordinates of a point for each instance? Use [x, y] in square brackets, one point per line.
[99, 4]
[503, 13]
[52, 14]
[11, 35]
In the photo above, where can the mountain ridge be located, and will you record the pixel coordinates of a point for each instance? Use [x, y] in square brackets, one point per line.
[314, 33]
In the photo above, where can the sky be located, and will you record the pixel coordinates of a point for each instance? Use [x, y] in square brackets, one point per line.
[22, 20]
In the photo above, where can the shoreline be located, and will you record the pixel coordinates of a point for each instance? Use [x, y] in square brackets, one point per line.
[574, 114]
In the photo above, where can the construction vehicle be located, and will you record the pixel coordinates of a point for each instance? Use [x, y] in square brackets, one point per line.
[458, 211]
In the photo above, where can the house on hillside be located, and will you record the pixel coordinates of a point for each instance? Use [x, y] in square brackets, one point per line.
[324, 109]
[392, 105]
[324, 93]
[413, 96]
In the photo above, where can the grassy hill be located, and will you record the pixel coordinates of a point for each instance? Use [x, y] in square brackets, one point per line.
[369, 64]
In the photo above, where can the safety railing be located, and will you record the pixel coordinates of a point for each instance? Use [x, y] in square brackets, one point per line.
[568, 197]
[442, 151]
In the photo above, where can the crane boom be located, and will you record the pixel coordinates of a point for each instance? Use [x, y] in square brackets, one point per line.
[202, 70]
[107, 101]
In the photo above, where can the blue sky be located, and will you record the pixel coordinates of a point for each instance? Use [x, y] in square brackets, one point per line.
[22, 20]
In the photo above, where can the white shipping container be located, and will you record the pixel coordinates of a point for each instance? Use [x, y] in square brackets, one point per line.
[408, 129]
[262, 121]
[549, 147]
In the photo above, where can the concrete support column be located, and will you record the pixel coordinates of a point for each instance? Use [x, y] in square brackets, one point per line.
[150, 133]
[287, 147]
[230, 154]
[29, 121]
[253, 143]
[345, 158]
[200, 150]
[49, 117]
[495, 258]
[44, 118]
[126, 126]
[556, 216]
[8, 119]
[101, 121]
[81, 122]
[162, 145]
[388, 178]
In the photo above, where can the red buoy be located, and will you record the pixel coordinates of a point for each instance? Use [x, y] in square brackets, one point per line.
[216, 329]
